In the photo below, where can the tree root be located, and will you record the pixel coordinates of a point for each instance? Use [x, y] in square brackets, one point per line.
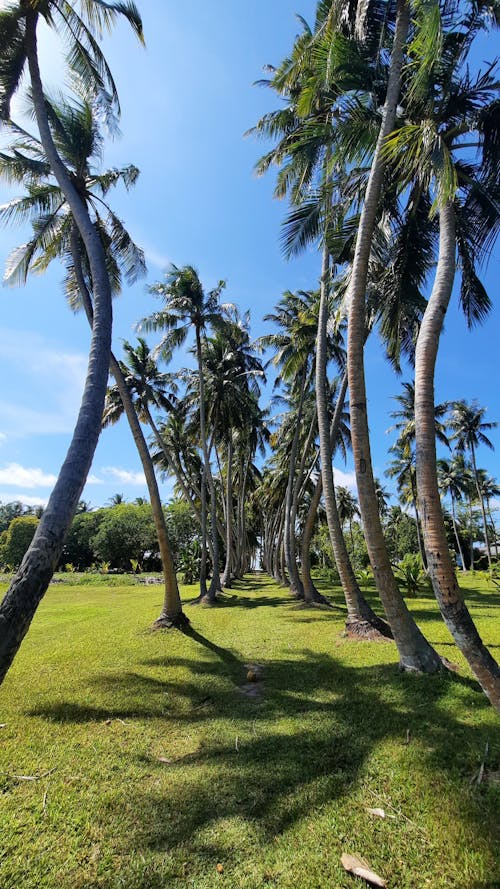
[365, 630]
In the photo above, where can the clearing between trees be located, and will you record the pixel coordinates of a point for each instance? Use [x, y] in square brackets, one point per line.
[142, 760]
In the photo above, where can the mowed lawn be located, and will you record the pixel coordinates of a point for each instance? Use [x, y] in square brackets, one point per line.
[156, 761]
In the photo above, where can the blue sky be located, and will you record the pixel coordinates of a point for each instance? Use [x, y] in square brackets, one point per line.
[186, 101]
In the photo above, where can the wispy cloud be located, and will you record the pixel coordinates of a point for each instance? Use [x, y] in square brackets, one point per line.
[24, 477]
[28, 500]
[46, 376]
[154, 257]
[126, 476]
[345, 479]
[3, 437]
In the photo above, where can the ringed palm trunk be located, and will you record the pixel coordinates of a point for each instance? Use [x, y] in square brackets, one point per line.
[171, 613]
[415, 653]
[211, 595]
[226, 577]
[455, 529]
[289, 530]
[481, 503]
[33, 577]
[359, 612]
[444, 582]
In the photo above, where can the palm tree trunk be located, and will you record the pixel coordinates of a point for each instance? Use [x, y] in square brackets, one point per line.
[481, 502]
[415, 653]
[226, 577]
[296, 588]
[444, 582]
[455, 529]
[203, 563]
[30, 582]
[359, 612]
[171, 613]
[211, 596]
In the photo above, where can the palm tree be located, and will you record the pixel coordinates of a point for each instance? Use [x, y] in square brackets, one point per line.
[145, 385]
[187, 305]
[446, 105]
[489, 489]
[79, 143]
[469, 428]
[454, 479]
[18, 48]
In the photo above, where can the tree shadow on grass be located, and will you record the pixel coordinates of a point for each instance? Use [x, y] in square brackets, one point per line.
[267, 763]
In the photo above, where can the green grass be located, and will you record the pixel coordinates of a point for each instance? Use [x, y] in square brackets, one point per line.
[273, 787]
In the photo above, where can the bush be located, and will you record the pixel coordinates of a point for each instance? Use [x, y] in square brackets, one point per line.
[125, 532]
[16, 540]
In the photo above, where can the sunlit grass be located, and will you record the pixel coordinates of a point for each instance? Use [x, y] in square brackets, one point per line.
[274, 787]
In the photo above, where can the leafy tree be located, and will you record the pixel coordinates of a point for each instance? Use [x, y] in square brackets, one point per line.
[17, 539]
[125, 532]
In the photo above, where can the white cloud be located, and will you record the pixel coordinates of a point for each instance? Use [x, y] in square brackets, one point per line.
[45, 376]
[94, 480]
[154, 257]
[3, 437]
[125, 476]
[10, 497]
[345, 479]
[23, 477]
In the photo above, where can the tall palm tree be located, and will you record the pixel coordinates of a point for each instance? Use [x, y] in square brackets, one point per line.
[18, 49]
[448, 105]
[454, 480]
[145, 385]
[79, 143]
[489, 489]
[469, 428]
[188, 305]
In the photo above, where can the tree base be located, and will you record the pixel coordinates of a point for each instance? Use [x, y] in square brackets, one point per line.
[179, 622]
[365, 631]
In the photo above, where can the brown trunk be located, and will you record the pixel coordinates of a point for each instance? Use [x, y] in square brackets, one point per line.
[415, 653]
[444, 582]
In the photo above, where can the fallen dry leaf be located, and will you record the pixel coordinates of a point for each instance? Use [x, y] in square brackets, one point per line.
[164, 759]
[378, 812]
[353, 865]
[219, 869]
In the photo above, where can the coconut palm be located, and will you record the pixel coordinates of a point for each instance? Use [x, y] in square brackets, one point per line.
[454, 480]
[489, 490]
[79, 143]
[18, 49]
[186, 306]
[447, 105]
[468, 431]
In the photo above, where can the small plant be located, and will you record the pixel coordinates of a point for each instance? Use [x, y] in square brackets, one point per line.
[104, 567]
[69, 568]
[410, 574]
[136, 566]
[364, 577]
[190, 562]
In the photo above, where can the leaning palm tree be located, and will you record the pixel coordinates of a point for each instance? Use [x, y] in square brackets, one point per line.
[18, 50]
[468, 431]
[146, 386]
[186, 306]
[79, 143]
[448, 105]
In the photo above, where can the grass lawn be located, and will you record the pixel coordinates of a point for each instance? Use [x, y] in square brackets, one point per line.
[155, 764]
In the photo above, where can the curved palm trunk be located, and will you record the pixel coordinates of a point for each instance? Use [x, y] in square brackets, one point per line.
[226, 577]
[415, 653]
[32, 579]
[417, 519]
[359, 612]
[203, 562]
[171, 613]
[444, 582]
[481, 502]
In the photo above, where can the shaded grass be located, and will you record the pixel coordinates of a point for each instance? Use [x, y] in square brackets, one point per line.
[274, 787]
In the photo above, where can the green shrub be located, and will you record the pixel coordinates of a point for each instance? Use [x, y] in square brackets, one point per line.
[16, 539]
